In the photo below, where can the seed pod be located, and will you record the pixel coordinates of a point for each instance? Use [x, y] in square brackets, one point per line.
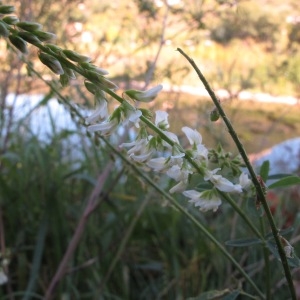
[214, 115]
[76, 57]
[29, 26]
[29, 37]
[51, 62]
[10, 20]
[44, 36]
[6, 9]
[3, 30]
[19, 43]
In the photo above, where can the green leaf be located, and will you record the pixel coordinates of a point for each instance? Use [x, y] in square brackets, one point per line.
[284, 182]
[264, 170]
[217, 295]
[282, 232]
[243, 242]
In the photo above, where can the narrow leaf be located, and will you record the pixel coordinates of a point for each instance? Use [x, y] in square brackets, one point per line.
[284, 182]
[243, 242]
[264, 170]
[211, 295]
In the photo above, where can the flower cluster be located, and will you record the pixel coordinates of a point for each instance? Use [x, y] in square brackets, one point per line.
[161, 152]
[164, 154]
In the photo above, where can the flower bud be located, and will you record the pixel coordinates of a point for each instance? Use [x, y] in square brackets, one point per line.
[64, 80]
[29, 37]
[44, 36]
[146, 113]
[10, 20]
[70, 73]
[88, 66]
[144, 96]
[214, 115]
[93, 76]
[52, 63]
[54, 48]
[92, 88]
[3, 30]
[6, 9]
[76, 57]
[19, 43]
[29, 26]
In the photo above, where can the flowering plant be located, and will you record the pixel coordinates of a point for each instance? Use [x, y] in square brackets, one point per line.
[159, 150]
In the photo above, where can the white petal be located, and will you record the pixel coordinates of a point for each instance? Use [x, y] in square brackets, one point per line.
[105, 127]
[157, 164]
[193, 136]
[179, 187]
[244, 181]
[161, 119]
[191, 194]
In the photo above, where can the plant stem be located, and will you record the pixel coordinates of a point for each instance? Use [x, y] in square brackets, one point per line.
[153, 184]
[260, 193]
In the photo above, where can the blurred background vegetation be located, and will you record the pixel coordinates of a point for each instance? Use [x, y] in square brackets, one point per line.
[240, 46]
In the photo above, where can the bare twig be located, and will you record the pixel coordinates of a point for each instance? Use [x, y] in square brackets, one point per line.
[93, 202]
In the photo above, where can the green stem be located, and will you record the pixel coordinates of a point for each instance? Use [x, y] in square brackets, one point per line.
[260, 193]
[267, 262]
[166, 195]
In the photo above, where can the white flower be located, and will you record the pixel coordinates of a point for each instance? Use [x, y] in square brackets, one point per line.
[161, 119]
[158, 164]
[221, 183]
[193, 136]
[144, 96]
[100, 113]
[105, 128]
[133, 118]
[207, 200]
[179, 187]
[181, 175]
[244, 181]
[172, 136]
[140, 149]
[199, 151]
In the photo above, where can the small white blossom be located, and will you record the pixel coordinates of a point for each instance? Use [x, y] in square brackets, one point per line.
[140, 150]
[172, 136]
[207, 200]
[181, 175]
[100, 113]
[161, 119]
[158, 164]
[179, 187]
[105, 128]
[244, 181]
[144, 96]
[193, 136]
[133, 118]
[221, 183]
[142, 157]
[199, 151]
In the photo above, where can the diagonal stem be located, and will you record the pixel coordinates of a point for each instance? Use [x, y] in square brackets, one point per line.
[260, 193]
